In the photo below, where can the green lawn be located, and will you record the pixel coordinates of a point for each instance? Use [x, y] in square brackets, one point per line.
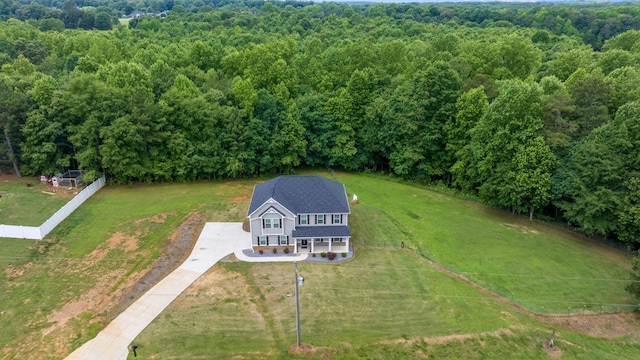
[541, 267]
[40, 277]
[384, 304]
[28, 206]
[367, 306]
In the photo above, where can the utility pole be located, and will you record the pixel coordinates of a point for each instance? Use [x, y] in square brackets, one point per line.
[295, 264]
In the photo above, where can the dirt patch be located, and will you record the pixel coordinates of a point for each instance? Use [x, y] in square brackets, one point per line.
[523, 229]
[240, 199]
[306, 349]
[120, 240]
[440, 340]
[91, 300]
[158, 218]
[175, 251]
[219, 285]
[114, 291]
[554, 351]
[597, 325]
[15, 272]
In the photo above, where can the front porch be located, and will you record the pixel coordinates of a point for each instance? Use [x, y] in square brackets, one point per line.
[320, 245]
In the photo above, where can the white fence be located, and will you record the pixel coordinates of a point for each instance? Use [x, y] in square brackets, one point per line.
[39, 232]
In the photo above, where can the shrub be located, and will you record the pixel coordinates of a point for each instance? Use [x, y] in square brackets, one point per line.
[313, 255]
[344, 254]
[286, 250]
[261, 251]
[275, 250]
[331, 255]
[323, 254]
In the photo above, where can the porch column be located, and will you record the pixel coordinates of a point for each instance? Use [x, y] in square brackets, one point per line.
[347, 245]
[330, 241]
[312, 242]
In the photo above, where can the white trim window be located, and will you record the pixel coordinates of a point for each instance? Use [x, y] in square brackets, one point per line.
[262, 240]
[284, 240]
[320, 219]
[337, 219]
[272, 223]
[336, 240]
[303, 219]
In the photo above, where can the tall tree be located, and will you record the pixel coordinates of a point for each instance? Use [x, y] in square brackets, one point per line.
[319, 129]
[414, 122]
[534, 163]
[15, 103]
[519, 56]
[505, 159]
[470, 107]
[591, 92]
[560, 127]
[122, 150]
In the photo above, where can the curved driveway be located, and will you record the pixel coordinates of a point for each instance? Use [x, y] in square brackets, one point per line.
[216, 241]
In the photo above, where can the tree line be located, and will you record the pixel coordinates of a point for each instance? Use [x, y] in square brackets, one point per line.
[532, 120]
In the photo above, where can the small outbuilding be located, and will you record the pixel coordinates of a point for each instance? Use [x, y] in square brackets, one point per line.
[72, 178]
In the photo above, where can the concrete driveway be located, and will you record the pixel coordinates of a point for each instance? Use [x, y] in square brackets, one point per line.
[216, 241]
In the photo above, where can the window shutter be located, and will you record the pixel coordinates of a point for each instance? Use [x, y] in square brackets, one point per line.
[331, 219]
[324, 219]
[267, 240]
[287, 239]
[263, 223]
[341, 221]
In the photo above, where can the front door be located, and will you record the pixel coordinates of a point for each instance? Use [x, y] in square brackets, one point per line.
[303, 244]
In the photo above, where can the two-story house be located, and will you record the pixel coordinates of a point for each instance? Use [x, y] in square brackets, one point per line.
[302, 213]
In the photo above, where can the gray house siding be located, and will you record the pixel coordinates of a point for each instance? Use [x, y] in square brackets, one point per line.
[270, 211]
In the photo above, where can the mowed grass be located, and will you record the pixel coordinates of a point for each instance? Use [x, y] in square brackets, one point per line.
[27, 206]
[40, 277]
[511, 253]
[383, 304]
[215, 318]
[538, 266]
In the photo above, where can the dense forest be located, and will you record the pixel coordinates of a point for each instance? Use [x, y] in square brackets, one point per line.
[532, 108]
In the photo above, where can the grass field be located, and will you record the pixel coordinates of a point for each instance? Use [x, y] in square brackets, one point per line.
[541, 267]
[28, 206]
[385, 303]
[388, 303]
[85, 263]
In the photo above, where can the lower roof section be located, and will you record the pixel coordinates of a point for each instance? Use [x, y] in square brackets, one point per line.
[320, 231]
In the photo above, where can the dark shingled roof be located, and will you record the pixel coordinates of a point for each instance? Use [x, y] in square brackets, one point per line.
[320, 231]
[302, 195]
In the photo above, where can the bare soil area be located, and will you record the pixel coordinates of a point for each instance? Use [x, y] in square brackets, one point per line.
[175, 251]
[102, 303]
[598, 325]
